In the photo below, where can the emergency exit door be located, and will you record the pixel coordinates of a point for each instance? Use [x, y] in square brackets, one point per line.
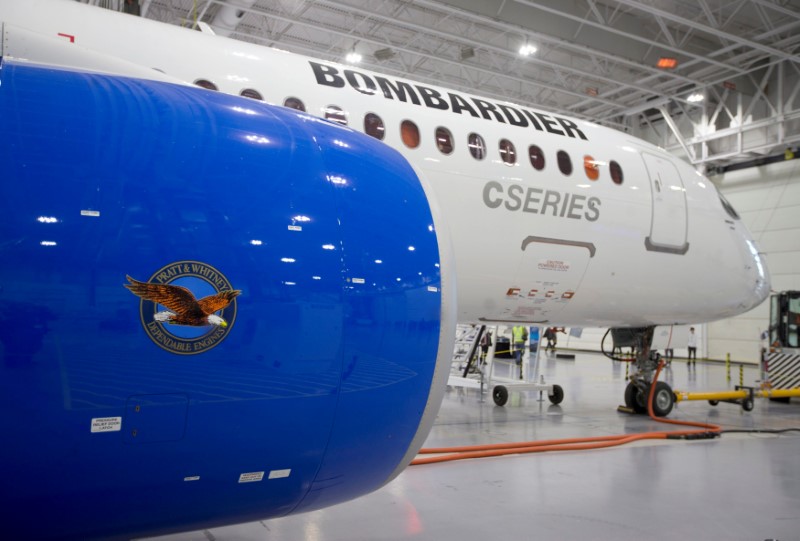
[669, 225]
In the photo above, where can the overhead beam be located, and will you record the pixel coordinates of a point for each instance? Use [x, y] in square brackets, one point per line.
[471, 41]
[436, 58]
[677, 133]
[628, 35]
[708, 29]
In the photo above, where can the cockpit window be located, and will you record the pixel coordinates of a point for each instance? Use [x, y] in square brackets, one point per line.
[728, 207]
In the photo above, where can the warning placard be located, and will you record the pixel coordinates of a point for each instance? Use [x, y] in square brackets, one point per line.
[553, 265]
[251, 477]
[107, 424]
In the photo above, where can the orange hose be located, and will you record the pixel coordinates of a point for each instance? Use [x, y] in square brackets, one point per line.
[708, 427]
[447, 454]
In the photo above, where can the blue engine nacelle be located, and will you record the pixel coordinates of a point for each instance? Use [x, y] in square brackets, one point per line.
[317, 383]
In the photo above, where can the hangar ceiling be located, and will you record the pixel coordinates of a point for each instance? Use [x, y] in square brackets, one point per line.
[595, 59]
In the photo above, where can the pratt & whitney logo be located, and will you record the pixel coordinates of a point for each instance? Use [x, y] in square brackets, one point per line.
[171, 313]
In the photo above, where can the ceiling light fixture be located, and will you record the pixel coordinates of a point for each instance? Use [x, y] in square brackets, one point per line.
[694, 98]
[667, 63]
[353, 57]
[527, 50]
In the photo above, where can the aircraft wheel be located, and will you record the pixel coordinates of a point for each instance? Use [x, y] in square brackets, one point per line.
[747, 404]
[630, 395]
[557, 396]
[639, 401]
[713, 402]
[500, 395]
[663, 399]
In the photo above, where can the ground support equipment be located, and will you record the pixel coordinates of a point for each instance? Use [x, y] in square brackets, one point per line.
[498, 374]
[742, 395]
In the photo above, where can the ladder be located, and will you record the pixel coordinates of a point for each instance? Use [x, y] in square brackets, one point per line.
[465, 350]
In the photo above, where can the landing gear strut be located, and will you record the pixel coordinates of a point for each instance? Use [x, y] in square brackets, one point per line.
[645, 363]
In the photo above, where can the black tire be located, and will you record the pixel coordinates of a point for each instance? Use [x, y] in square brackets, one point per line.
[713, 402]
[630, 395]
[639, 400]
[500, 395]
[557, 396]
[663, 399]
[747, 404]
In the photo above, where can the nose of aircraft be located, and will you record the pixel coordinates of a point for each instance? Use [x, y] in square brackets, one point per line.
[756, 286]
[746, 275]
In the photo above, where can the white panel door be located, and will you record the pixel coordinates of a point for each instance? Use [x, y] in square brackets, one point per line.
[669, 222]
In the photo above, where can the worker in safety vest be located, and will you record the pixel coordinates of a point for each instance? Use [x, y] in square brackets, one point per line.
[520, 335]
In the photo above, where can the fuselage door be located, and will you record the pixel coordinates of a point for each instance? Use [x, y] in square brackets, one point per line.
[668, 228]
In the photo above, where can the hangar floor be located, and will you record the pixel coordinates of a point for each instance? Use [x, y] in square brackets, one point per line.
[742, 486]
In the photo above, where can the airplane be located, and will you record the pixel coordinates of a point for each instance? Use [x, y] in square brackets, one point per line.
[339, 222]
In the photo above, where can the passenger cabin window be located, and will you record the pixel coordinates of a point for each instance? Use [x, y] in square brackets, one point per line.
[564, 163]
[295, 103]
[252, 94]
[205, 83]
[409, 132]
[373, 125]
[444, 140]
[616, 172]
[334, 113]
[537, 157]
[591, 167]
[477, 147]
[507, 152]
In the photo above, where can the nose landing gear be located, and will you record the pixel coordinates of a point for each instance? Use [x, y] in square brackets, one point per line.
[663, 398]
[644, 363]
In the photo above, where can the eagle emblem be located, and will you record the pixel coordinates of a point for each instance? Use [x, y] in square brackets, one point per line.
[172, 315]
[182, 307]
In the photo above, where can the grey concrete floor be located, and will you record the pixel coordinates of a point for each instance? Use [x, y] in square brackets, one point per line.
[737, 487]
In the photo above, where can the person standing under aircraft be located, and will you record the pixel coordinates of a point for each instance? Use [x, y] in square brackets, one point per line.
[692, 347]
[550, 335]
[486, 343]
[520, 335]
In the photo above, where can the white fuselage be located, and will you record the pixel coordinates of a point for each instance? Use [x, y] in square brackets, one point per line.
[534, 245]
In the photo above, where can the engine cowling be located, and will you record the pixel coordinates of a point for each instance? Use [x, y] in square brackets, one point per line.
[319, 382]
